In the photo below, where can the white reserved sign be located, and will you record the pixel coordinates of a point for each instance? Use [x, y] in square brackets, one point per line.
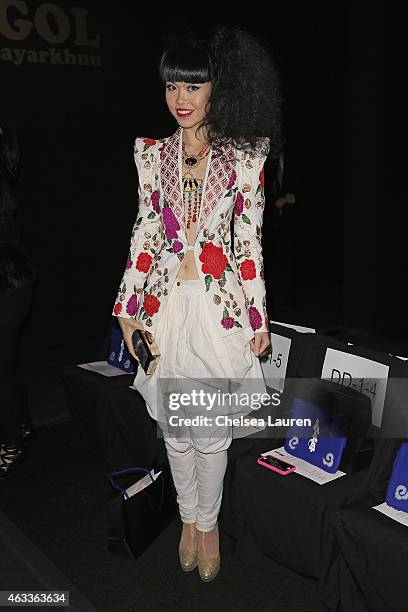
[393, 513]
[142, 484]
[274, 369]
[364, 375]
[103, 367]
[399, 357]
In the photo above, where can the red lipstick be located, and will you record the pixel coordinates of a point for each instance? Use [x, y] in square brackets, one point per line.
[183, 112]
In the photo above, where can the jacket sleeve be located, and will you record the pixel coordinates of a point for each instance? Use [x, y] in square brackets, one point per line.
[248, 216]
[146, 232]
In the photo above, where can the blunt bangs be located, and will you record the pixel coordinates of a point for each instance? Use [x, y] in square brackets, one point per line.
[185, 62]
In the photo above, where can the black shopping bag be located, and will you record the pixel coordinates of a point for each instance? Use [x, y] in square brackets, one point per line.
[137, 517]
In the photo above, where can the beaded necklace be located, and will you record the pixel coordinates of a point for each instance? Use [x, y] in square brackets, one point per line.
[193, 187]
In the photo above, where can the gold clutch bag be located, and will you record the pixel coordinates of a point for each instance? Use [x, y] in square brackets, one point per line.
[146, 349]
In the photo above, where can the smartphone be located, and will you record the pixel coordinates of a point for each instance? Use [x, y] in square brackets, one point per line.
[275, 464]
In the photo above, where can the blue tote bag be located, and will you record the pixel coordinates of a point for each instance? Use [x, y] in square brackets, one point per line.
[322, 443]
[119, 355]
[397, 492]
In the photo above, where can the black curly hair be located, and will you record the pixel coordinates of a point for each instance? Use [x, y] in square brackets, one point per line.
[245, 101]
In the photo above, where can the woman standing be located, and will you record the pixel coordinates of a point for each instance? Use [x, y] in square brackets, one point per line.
[200, 295]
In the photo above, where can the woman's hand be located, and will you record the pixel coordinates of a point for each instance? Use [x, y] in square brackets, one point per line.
[128, 326]
[260, 342]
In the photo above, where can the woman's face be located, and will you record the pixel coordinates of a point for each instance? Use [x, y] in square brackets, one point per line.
[187, 102]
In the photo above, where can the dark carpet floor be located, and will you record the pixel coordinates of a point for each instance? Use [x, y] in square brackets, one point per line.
[57, 498]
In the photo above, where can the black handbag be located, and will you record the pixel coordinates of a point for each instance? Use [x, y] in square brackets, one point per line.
[350, 409]
[136, 520]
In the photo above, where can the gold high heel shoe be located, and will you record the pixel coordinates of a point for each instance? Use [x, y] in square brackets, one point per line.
[188, 559]
[210, 568]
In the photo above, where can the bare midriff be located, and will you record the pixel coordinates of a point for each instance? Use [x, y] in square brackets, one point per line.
[188, 269]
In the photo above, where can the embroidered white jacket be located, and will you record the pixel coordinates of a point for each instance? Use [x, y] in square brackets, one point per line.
[232, 281]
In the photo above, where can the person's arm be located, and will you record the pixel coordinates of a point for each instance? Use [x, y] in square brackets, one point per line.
[248, 217]
[146, 232]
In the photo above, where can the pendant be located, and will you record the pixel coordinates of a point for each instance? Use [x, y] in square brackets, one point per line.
[191, 161]
[315, 438]
[190, 184]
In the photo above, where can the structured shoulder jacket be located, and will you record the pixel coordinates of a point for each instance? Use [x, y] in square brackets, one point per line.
[232, 278]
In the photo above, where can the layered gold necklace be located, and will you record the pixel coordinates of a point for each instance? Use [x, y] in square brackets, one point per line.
[192, 186]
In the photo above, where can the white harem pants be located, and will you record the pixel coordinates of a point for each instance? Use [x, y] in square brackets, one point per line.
[192, 350]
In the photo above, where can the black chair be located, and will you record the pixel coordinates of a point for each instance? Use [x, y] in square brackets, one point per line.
[285, 523]
[372, 563]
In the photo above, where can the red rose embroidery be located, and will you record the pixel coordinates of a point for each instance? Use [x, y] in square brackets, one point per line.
[262, 178]
[149, 141]
[151, 304]
[213, 260]
[118, 308]
[247, 268]
[143, 262]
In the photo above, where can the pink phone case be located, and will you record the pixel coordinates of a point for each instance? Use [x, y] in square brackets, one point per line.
[275, 469]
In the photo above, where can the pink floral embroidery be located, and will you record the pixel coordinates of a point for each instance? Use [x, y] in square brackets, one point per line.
[232, 180]
[155, 198]
[227, 322]
[239, 203]
[255, 318]
[170, 222]
[128, 263]
[131, 306]
[177, 246]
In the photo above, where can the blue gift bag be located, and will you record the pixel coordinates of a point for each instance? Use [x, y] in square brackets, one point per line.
[119, 355]
[321, 443]
[397, 492]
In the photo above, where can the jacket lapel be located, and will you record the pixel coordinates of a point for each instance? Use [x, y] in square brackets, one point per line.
[170, 175]
[221, 167]
[219, 174]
